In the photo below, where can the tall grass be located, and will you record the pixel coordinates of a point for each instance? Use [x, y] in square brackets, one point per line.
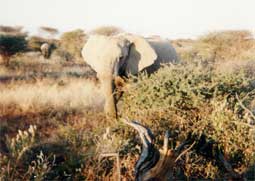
[76, 94]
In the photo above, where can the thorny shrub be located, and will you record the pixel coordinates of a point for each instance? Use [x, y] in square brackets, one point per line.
[198, 101]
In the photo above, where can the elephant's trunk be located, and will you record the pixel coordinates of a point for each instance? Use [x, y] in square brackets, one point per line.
[108, 87]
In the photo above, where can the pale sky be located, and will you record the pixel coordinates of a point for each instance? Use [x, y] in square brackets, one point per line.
[168, 18]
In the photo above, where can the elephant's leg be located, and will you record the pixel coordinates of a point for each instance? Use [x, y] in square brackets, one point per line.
[44, 53]
[47, 54]
[108, 87]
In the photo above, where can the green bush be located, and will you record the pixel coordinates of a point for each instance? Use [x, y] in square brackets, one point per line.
[10, 44]
[35, 42]
[197, 101]
[72, 42]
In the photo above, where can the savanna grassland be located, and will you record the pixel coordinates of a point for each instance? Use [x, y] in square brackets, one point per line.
[52, 126]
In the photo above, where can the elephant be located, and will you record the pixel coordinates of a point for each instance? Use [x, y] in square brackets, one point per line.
[46, 50]
[123, 54]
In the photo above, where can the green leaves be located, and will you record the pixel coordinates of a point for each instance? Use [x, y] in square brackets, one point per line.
[188, 99]
[11, 44]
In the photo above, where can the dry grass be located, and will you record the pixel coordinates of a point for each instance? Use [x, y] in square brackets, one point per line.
[33, 84]
[64, 94]
[235, 66]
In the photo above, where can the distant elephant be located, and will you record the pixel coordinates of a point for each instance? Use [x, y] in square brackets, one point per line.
[46, 50]
[120, 55]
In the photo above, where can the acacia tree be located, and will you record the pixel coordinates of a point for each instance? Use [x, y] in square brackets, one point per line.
[10, 45]
[49, 31]
[107, 30]
[11, 29]
[72, 42]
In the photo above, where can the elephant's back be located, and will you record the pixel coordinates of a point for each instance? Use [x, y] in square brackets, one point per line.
[45, 46]
[165, 51]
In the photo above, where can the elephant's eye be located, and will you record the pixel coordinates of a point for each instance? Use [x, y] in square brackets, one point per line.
[121, 57]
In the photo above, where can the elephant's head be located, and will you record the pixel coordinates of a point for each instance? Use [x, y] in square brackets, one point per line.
[112, 56]
[46, 50]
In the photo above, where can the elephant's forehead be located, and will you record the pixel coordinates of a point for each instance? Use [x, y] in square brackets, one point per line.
[101, 51]
[109, 50]
[102, 45]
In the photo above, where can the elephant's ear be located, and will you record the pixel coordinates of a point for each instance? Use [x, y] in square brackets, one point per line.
[141, 54]
[93, 50]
